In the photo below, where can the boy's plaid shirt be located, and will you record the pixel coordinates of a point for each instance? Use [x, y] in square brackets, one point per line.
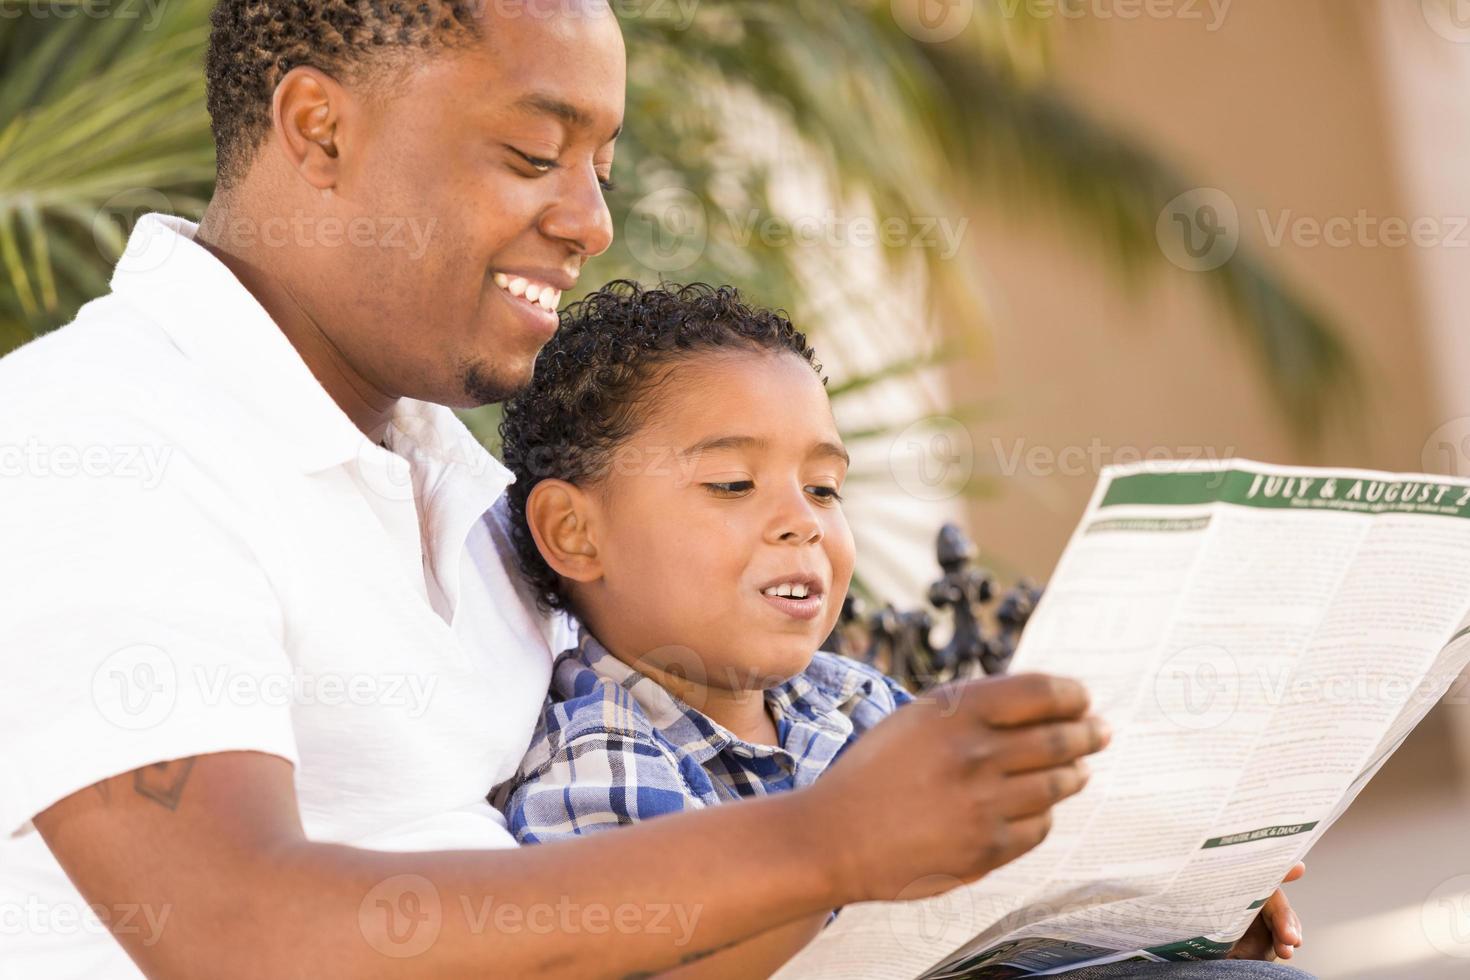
[613, 747]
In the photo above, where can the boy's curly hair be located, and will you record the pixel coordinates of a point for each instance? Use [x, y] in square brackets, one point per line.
[596, 380]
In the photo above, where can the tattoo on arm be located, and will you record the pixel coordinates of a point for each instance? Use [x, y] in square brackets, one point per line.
[163, 782]
[685, 960]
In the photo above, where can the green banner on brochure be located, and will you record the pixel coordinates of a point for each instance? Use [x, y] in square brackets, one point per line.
[1284, 830]
[1318, 491]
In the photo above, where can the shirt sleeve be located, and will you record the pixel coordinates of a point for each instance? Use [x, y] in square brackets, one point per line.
[596, 780]
[131, 605]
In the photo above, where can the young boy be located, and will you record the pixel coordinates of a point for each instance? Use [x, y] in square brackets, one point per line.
[678, 476]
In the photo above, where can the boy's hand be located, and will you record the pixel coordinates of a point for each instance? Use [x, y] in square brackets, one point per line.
[1277, 931]
[954, 785]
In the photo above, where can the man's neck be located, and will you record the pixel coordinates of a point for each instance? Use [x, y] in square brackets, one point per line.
[258, 270]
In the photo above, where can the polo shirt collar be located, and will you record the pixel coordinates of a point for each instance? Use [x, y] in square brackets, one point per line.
[219, 325]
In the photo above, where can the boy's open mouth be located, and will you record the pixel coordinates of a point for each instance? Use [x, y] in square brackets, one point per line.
[798, 596]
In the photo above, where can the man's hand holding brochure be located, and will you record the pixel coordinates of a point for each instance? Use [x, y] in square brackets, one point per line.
[1260, 639]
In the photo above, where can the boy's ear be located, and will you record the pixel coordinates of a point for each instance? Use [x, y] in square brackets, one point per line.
[560, 517]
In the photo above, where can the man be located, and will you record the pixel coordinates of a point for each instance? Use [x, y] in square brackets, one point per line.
[260, 668]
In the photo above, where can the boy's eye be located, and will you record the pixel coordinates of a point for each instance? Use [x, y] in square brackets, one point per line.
[731, 489]
[825, 493]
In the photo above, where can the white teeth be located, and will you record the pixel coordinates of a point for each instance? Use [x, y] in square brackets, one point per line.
[791, 590]
[547, 297]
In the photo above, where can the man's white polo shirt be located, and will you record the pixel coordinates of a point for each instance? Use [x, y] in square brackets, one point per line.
[199, 552]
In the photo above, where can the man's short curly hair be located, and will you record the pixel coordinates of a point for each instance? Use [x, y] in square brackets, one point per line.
[598, 380]
[254, 43]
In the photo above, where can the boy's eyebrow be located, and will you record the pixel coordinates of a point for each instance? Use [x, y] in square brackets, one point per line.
[824, 448]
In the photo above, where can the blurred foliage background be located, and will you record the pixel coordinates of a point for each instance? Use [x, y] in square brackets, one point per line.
[102, 119]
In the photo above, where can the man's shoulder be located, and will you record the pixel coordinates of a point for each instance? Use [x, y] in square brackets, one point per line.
[112, 384]
[108, 347]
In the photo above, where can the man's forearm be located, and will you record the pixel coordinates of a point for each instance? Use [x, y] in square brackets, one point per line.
[264, 901]
[630, 903]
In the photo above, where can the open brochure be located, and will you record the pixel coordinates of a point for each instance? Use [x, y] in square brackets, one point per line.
[1261, 639]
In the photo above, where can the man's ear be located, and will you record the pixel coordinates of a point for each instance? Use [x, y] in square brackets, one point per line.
[561, 517]
[306, 114]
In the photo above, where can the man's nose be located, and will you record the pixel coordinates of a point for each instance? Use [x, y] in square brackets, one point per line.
[581, 218]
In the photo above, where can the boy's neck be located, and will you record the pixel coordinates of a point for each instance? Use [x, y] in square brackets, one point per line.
[743, 712]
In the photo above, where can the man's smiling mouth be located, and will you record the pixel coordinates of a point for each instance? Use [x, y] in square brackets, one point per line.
[536, 293]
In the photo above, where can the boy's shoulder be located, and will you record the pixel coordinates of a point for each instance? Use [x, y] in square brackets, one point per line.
[584, 704]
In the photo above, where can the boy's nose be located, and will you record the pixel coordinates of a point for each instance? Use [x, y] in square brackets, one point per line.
[796, 523]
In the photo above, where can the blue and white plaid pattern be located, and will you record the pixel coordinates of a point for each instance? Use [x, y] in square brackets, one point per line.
[614, 747]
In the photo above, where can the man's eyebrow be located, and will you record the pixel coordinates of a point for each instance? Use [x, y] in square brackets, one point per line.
[561, 109]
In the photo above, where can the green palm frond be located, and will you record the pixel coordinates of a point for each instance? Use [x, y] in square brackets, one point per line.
[98, 117]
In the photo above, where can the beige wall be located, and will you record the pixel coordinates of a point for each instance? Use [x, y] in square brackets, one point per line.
[1282, 109]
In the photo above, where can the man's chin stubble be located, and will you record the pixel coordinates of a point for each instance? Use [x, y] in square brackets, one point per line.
[483, 387]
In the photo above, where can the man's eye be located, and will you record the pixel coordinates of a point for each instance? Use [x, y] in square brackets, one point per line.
[608, 184]
[825, 493]
[540, 164]
[732, 489]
